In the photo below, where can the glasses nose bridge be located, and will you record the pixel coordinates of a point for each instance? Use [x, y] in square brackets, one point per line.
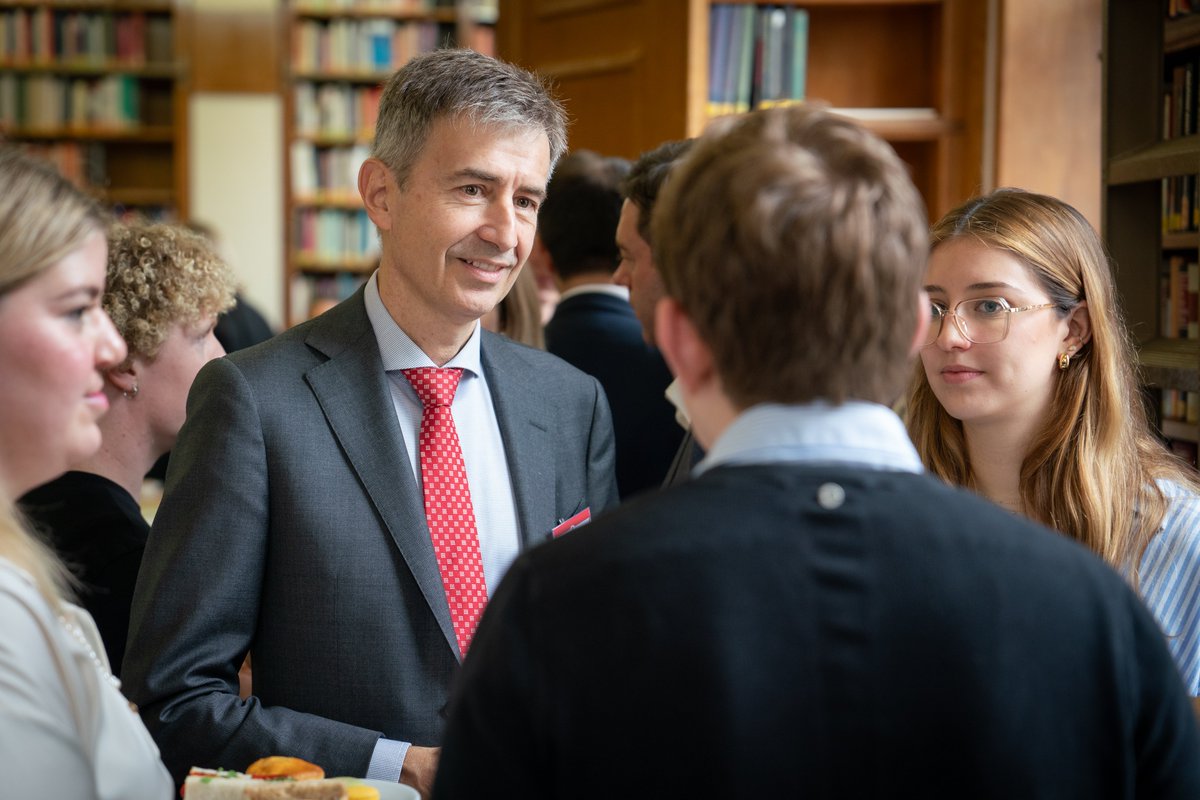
[960, 324]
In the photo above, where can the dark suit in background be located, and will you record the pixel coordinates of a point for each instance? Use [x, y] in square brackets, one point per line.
[598, 333]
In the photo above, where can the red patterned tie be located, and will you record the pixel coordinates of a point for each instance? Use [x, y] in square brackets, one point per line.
[448, 501]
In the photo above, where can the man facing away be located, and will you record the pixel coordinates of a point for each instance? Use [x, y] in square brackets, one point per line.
[810, 616]
[594, 327]
[344, 496]
[638, 272]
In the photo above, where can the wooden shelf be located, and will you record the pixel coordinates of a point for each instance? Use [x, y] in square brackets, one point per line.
[447, 16]
[130, 196]
[145, 134]
[1171, 363]
[1189, 240]
[1178, 429]
[331, 140]
[328, 201]
[87, 69]
[1181, 34]
[339, 77]
[811, 3]
[909, 70]
[117, 6]
[334, 266]
[1159, 160]
[900, 124]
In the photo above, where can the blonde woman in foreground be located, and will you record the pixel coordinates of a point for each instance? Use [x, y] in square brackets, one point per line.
[166, 287]
[65, 729]
[1027, 393]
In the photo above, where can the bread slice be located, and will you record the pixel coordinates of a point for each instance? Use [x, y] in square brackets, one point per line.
[222, 784]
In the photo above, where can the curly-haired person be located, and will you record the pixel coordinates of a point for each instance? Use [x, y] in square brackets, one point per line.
[166, 286]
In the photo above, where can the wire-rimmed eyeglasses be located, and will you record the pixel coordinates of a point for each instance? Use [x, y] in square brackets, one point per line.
[981, 320]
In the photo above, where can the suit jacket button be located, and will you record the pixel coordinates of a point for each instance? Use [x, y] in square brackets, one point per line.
[830, 496]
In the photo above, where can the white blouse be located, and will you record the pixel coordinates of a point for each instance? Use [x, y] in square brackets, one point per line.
[65, 728]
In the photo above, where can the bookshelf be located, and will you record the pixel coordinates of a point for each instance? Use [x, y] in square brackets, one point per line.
[636, 73]
[337, 56]
[99, 88]
[1151, 157]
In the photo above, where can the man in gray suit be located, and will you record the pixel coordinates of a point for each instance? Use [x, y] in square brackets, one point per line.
[294, 523]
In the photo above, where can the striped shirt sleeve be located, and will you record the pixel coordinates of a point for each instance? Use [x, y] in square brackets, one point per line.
[1169, 580]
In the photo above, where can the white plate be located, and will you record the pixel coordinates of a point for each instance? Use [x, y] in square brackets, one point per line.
[394, 791]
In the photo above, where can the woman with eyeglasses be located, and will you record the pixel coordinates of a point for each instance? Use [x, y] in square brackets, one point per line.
[1027, 393]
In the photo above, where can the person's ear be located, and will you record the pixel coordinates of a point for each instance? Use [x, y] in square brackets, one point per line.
[687, 355]
[1079, 325]
[374, 178]
[124, 377]
[923, 323]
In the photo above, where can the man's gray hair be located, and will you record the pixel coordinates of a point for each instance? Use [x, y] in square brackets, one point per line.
[468, 86]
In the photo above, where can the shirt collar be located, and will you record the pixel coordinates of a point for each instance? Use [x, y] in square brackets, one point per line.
[596, 288]
[853, 433]
[399, 351]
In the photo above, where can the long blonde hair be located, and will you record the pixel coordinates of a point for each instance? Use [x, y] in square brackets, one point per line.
[43, 218]
[1091, 468]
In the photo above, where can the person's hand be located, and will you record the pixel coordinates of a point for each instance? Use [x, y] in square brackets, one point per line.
[420, 765]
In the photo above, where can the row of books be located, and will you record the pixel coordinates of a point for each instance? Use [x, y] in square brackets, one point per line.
[326, 173]
[382, 6]
[44, 36]
[362, 45]
[1180, 298]
[48, 102]
[1181, 406]
[758, 56]
[1181, 8]
[82, 163]
[335, 109]
[332, 236]
[1180, 108]
[1180, 204]
[313, 294]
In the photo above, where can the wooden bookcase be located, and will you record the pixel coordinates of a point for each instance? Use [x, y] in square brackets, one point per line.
[99, 88]
[634, 74]
[1141, 48]
[336, 57]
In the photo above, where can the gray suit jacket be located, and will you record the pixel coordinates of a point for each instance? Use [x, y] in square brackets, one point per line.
[292, 528]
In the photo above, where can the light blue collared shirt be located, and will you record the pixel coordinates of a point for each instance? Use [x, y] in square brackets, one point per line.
[483, 454]
[1169, 580]
[853, 433]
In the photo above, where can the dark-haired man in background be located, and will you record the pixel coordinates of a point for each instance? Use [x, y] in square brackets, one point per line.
[594, 327]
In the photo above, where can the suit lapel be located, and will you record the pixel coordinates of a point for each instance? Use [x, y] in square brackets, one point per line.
[521, 411]
[353, 392]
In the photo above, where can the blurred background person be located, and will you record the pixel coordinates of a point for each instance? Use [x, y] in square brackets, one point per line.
[594, 327]
[518, 315]
[638, 272]
[166, 288]
[65, 728]
[1027, 393]
[242, 325]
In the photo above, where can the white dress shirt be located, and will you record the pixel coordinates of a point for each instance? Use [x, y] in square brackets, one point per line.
[483, 455]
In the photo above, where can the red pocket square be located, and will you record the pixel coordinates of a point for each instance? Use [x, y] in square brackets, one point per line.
[582, 518]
